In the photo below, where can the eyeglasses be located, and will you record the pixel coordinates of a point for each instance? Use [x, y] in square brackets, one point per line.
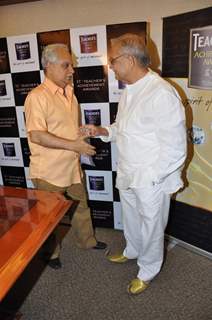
[113, 60]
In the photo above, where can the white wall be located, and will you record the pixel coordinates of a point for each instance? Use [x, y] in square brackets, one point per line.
[46, 15]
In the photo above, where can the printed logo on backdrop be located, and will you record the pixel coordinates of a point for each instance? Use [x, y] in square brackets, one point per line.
[91, 84]
[50, 37]
[196, 135]
[13, 176]
[25, 151]
[200, 58]
[102, 158]
[115, 87]
[95, 113]
[89, 46]
[117, 213]
[113, 112]
[23, 83]
[6, 91]
[8, 122]
[23, 53]
[4, 58]
[99, 185]
[21, 121]
[102, 213]
[10, 152]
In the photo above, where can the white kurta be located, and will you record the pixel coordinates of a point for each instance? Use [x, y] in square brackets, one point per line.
[151, 140]
[150, 134]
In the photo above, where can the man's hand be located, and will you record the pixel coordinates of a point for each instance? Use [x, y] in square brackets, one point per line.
[49, 140]
[82, 147]
[89, 130]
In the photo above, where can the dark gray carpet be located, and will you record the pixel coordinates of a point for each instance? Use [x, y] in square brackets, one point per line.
[90, 288]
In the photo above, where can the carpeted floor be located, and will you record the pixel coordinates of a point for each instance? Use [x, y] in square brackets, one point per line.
[88, 287]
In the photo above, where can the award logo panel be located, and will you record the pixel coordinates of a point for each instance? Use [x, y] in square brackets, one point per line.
[23, 53]
[116, 196]
[99, 185]
[95, 113]
[51, 37]
[91, 84]
[6, 91]
[8, 122]
[23, 83]
[25, 151]
[4, 58]
[117, 213]
[10, 152]
[200, 63]
[102, 213]
[13, 176]
[89, 46]
[21, 121]
[115, 87]
[113, 112]
[102, 158]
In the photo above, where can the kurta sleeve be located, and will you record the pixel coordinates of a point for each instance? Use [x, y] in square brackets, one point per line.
[169, 119]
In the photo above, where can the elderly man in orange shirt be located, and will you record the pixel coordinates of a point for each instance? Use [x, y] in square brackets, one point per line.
[52, 122]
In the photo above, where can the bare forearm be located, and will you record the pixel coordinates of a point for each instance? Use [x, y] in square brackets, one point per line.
[49, 140]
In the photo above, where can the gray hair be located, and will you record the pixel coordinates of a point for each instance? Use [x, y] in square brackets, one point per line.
[133, 45]
[50, 53]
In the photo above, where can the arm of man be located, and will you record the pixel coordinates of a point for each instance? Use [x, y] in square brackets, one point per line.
[49, 140]
[171, 134]
[36, 106]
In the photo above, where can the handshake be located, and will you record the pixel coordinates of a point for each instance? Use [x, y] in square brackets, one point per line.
[82, 145]
[90, 130]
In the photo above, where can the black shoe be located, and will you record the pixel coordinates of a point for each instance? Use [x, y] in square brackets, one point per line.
[55, 263]
[100, 245]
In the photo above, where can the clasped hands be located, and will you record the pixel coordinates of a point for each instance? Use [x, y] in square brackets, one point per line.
[86, 131]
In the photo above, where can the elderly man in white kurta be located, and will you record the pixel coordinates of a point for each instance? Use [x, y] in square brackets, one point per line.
[151, 139]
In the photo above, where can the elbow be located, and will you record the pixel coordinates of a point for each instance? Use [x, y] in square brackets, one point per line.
[34, 138]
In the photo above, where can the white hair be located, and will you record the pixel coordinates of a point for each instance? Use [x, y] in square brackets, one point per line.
[50, 53]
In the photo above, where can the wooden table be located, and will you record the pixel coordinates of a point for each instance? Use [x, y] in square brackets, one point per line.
[27, 217]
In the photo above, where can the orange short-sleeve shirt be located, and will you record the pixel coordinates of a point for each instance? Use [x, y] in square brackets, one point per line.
[47, 109]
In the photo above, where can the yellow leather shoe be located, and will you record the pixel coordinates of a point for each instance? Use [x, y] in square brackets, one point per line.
[117, 258]
[137, 286]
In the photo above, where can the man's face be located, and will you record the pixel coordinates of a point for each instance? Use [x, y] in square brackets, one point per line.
[61, 72]
[119, 63]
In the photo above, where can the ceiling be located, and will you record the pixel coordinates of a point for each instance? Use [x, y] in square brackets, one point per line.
[8, 2]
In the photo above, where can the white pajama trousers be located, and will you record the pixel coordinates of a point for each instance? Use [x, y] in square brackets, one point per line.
[145, 216]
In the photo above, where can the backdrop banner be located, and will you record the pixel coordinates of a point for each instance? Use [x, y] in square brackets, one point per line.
[200, 58]
[98, 93]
